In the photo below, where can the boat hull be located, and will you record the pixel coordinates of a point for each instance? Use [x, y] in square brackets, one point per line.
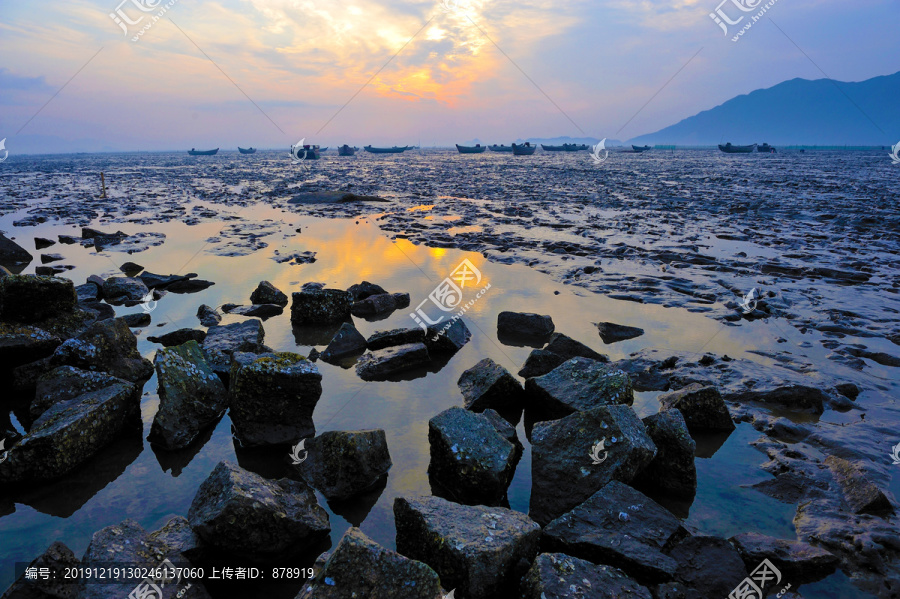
[523, 150]
[347, 151]
[500, 148]
[203, 152]
[729, 149]
[372, 150]
[565, 148]
[640, 149]
[247, 150]
[471, 149]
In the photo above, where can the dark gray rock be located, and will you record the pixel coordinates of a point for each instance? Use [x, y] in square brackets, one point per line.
[65, 383]
[505, 428]
[257, 310]
[189, 285]
[672, 472]
[50, 271]
[267, 293]
[222, 341]
[361, 291]
[273, 397]
[564, 472]
[568, 348]
[709, 565]
[177, 535]
[57, 558]
[861, 494]
[524, 324]
[795, 397]
[360, 567]
[374, 304]
[118, 290]
[677, 590]
[447, 338]
[131, 268]
[139, 319]
[470, 458]
[383, 339]
[341, 464]
[480, 551]
[385, 363]
[240, 512]
[540, 362]
[179, 337]
[48, 258]
[191, 397]
[21, 344]
[346, 343]
[320, 306]
[576, 385]
[621, 527]
[31, 298]
[489, 385]
[611, 332]
[42, 242]
[561, 576]
[797, 561]
[107, 346]
[702, 407]
[87, 292]
[155, 281]
[209, 317]
[12, 254]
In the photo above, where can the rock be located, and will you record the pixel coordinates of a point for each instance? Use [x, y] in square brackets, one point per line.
[191, 397]
[796, 397]
[257, 310]
[155, 281]
[72, 431]
[489, 385]
[131, 268]
[240, 512]
[42, 242]
[12, 254]
[30, 298]
[848, 390]
[577, 385]
[22, 344]
[563, 472]
[177, 535]
[189, 285]
[383, 339]
[223, 340]
[87, 292]
[401, 300]
[480, 551]
[702, 407]
[341, 464]
[296, 258]
[58, 557]
[540, 362]
[208, 317]
[384, 363]
[98, 310]
[48, 258]
[50, 271]
[611, 332]
[676, 590]
[68, 239]
[179, 337]
[320, 306]
[361, 291]
[118, 290]
[267, 293]
[377, 304]
[859, 491]
[797, 561]
[447, 338]
[273, 397]
[505, 428]
[524, 324]
[108, 346]
[621, 527]
[470, 458]
[346, 343]
[568, 348]
[65, 383]
[672, 472]
[359, 567]
[560, 576]
[140, 319]
[709, 565]
[331, 197]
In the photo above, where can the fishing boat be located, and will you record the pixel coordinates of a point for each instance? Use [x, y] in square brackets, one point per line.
[305, 152]
[246, 150]
[346, 150]
[525, 149]
[500, 148]
[640, 149]
[730, 149]
[767, 149]
[476, 149]
[565, 148]
[394, 150]
[325, 149]
[194, 152]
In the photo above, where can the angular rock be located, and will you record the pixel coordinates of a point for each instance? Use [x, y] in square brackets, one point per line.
[267, 293]
[189, 285]
[383, 339]
[503, 426]
[621, 527]
[563, 470]
[209, 317]
[361, 291]
[539, 363]
[21, 344]
[346, 343]
[360, 567]
[191, 397]
[375, 304]
[65, 383]
[611, 332]
[140, 319]
[672, 472]
[177, 535]
[31, 298]
[524, 324]
[87, 292]
[273, 397]
[447, 338]
[577, 385]
[11, 253]
[709, 565]
[341, 464]
[479, 551]
[560, 576]
[131, 268]
[57, 558]
[48, 258]
[179, 337]
[489, 385]
[320, 306]
[470, 458]
[702, 407]
[385, 363]
[108, 346]
[568, 348]
[118, 290]
[155, 281]
[797, 561]
[224, 340]
[859, 491]
[257, 310]
[796, 397]
[240, 512]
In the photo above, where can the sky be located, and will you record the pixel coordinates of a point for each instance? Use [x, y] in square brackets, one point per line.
[268, 73]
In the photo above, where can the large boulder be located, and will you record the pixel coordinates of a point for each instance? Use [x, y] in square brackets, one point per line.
[489, 385]
[222, 341]
[797, 561]
[621, 527]
[118, 290]
[576, 385]
[672, 472]
[65, 383]
[702, 407]
[383, 339]
[611, 332]
[72, 431]
[560, 576]
[384, 363]
[313, 306]
[239, 512]
[346, 344]
[267, 293]
[273, 397]
[107, 346]
[58, 557]
[470, 459]
[568, 348]
[480, 551]
[361, 568]
[576, 456]
[191, 397]
[33, 298]
[525, 325]
[709, 565]
[341, 464]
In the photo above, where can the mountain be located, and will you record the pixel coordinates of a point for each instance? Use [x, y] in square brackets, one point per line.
[820, 112]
